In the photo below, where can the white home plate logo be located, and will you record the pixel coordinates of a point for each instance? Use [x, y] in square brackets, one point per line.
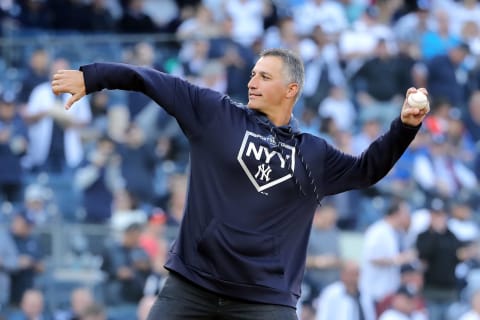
[265, 166]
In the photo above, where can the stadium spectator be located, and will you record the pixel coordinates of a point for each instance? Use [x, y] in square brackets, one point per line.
[347, 204]
[470, 34]
[200, 25]
[138, 163]
[339, 106]
[327, 14]
[126, 210]
[95, 311]
[440, 251]
[98, 178]
[439, 172]
[36, 72]
[30, 257]
[32, 306]
[13, 146]
[35, 15]
[158, 275]
[357, 44]
[411, 26]
[384, 252]
[344, 299]
[370, 128]
[153, 234]
[237, 59]
[376, 85]
[127, 266]
[463, 225]
[403, 307]
[55, 142]
[99, 125]
[247, 19]
[37, 205]
[411, 278]
[81, 298]
[440, 39]
[323, 251]
[447, 75]
[135, 20]
[463, 12]
[8, 263]
[142, 53]
[323, 69]
[461, 143]
[100, 18]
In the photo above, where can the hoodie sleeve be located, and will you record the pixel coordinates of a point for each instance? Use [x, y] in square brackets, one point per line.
[192, 106]
[345, 172]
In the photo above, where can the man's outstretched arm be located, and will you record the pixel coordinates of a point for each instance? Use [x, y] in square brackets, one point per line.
[193, 107]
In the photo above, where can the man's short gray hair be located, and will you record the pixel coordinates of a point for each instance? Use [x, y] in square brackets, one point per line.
[292, 63]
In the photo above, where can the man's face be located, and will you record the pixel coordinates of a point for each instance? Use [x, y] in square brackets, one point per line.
[267, 86]
[7, 110]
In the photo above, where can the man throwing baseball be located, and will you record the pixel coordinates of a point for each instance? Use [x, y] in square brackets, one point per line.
[254, 184]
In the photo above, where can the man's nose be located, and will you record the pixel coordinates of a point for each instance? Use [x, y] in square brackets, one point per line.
[252, 84]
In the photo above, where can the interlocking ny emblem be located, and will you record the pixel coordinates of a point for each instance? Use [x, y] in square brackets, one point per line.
[263, 172]
[264, 165]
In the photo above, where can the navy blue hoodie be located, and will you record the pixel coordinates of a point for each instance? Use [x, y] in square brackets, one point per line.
[246, 223]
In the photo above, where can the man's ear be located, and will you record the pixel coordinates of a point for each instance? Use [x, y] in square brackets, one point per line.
[292, 90]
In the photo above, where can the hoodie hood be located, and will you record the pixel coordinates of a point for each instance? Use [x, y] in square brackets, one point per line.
[289, 130]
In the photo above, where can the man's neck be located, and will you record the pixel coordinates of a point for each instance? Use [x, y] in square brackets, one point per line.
[279, 119]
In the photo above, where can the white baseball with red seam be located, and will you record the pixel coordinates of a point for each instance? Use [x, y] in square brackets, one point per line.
[418, 100]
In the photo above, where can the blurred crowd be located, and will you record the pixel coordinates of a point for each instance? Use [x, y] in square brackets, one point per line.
[118, 162]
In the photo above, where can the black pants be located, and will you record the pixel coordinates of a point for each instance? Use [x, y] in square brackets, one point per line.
[180, 299]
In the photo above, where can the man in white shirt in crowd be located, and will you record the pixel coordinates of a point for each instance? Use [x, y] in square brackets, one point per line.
[342, 300]
[383, 252]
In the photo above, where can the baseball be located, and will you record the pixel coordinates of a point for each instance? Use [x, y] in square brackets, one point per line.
[417, 100]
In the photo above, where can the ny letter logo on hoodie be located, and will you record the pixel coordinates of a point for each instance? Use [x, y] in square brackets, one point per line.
[263, 162]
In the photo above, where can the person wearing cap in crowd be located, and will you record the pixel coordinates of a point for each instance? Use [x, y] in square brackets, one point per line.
[35, 203]
[30, 259]
[13, 145]
[411, 277]
[440, 252]
[403, 307]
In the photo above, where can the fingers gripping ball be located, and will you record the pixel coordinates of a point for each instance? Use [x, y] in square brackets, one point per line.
[418, 100]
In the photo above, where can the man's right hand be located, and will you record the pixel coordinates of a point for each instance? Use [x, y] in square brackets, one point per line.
[69, 81]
